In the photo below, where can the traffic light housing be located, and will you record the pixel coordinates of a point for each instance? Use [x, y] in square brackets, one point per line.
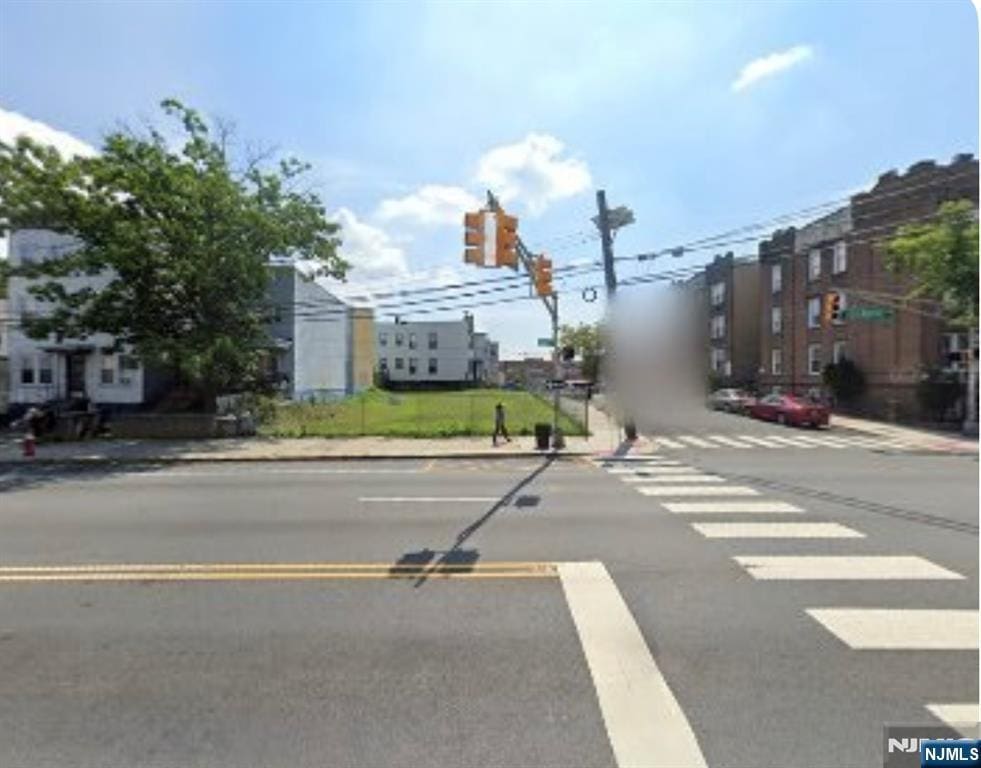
[506, 240]
[543, 276]
[474, 238]
[831, 309]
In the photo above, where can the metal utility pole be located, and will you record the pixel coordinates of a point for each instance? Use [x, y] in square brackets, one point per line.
[606, 236]
[552, 306]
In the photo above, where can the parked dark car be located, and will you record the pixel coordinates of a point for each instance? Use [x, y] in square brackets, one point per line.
[788, 409]
[730, 399]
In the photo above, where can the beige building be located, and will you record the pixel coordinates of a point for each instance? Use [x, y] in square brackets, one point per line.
[362, 348]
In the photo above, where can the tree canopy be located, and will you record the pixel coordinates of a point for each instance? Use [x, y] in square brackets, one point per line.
[587, 340]
[181, 237]
[941, 257]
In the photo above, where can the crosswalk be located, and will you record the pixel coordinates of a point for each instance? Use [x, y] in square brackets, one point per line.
[718, 509]
[794, 439]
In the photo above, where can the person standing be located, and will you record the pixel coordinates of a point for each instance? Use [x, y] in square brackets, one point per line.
[500, 424]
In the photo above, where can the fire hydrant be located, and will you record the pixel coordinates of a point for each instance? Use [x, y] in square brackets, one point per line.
[29, 443]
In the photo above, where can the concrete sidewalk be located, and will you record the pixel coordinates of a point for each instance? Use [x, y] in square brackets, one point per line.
[604, 439]
[934, 438]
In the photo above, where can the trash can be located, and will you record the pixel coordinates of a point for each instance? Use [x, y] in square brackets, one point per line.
[543, 433]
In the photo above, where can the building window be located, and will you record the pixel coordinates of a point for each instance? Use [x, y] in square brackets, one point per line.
[718, 293]
[433, 340]
[776, 361]
[383, 365]
[45, 374]
[776, 320]
[814, 359]
[108, 373]
[717, 359]
[814, 264]
[128, 363]
[433, 365]
[399, 363]
[840, 263]
[412, 341]
[776, 278]
[382, 339]
[399, 339]
[413, 366]
[839, 351]
[814, 312]
[718, 326]
[26, 371]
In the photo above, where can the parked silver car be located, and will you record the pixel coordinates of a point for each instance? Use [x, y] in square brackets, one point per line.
[730, 400]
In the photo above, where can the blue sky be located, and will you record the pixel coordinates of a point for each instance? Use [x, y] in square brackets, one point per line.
[408, 110]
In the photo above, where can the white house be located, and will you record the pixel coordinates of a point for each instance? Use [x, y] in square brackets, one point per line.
[435, 352]
[316, 346]
[50, 369]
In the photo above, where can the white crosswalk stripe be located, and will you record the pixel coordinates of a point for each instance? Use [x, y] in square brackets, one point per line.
[758, 441]
[843, 568]
[907, 629]
[697, 490]
[691, 478]
[696, 441]
[728, 441]
[641, 468]
[826, 442]
[776, 531]
[641, 475]
[962, 716]
[667, 442]
[731, 507]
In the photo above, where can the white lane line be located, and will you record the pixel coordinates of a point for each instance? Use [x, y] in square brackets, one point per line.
[695, 478]
[644, 722]
[762, 442]
[727, 441]
[667, 442]
[907, 629]
[427, 499]
[842, 567]
[696, 441]
[962, 716]
[776, 531]
[246, 471]
[698, 490]
[726, 507]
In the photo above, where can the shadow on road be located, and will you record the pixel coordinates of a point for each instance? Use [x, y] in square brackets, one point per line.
[456, 559]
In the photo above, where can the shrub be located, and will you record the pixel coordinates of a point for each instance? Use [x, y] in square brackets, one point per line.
[845, 380]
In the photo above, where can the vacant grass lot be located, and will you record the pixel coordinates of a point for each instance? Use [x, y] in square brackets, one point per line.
[416, 414]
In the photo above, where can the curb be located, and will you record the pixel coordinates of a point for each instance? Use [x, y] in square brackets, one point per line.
[107, 460]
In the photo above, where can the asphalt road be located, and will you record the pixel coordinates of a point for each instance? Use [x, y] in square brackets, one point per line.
[283, 639]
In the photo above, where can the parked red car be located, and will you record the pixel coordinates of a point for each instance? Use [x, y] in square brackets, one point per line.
[786, 409]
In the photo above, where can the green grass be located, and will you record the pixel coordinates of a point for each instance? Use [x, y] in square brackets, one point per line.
[416, 414]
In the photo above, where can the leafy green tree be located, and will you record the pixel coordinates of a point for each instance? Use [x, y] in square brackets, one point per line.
[845, 380]
[587, 340]
[182, 238]
[941, 256]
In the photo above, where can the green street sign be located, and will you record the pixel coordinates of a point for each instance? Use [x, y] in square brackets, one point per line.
[869, 313]
[545, 343]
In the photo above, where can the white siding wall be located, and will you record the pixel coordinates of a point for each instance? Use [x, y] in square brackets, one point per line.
[321, 343]
[38, 245]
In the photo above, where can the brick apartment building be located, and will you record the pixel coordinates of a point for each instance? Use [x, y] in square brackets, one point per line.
[845, 251]
[731, 295]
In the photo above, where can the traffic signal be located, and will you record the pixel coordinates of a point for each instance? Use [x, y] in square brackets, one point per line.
[506, 240]
[831, 310]
[474, 238]
[568, 354]
[543, 276]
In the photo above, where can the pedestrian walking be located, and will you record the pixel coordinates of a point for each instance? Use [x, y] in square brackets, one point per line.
[500, 423]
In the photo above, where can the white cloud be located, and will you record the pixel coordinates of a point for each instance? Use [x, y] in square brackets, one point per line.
[432, 204]
[533, 172]
[771, 64]
[370, 250]
[13, 124]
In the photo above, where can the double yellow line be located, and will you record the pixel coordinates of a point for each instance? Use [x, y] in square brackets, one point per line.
[272, 571]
